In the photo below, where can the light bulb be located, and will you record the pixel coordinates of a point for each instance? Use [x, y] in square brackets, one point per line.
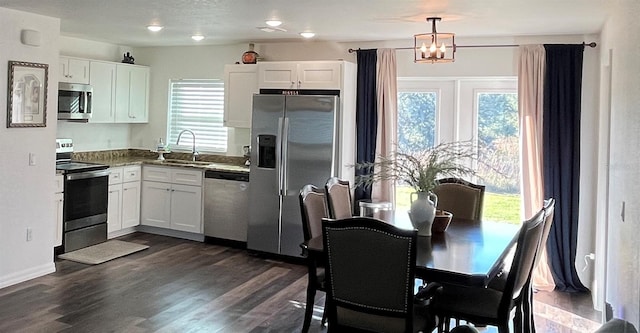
[273, 23]
[443, 49]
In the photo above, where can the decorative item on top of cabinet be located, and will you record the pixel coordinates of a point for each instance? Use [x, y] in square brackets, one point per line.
[127, 58]
[251, 56]
[300, 75]
[240, 83]
[74, 70]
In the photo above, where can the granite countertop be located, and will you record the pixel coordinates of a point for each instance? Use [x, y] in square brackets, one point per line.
[139, 157]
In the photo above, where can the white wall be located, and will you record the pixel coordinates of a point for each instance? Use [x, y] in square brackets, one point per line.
[26, 192]
[623, 267]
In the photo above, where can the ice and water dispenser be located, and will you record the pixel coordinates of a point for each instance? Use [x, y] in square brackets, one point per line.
[266, 151]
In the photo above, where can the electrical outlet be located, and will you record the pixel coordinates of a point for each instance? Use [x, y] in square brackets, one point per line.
[32, 158]
[29, 234]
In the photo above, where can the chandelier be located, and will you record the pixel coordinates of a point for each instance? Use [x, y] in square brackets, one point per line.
[435, 46]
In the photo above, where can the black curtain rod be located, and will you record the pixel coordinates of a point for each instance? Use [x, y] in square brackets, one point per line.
[592, 44]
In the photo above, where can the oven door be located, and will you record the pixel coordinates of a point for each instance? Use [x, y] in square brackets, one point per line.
[85, 198]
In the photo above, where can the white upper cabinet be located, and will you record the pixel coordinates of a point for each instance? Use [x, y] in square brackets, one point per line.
[300, 75]
[103, 80]
[240, 83]
[132, 94]
[74, 70]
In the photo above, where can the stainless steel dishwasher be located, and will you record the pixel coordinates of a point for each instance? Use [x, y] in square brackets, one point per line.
[226, 206]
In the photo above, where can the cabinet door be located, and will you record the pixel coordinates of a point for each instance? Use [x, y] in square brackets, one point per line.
[156, 204]
[277, 75]
[59, 202]
[114, 217]
[132, 93]
[319, 75]
[139, 95]
[102, 77]
[240, 83]
[74, 70]
[130, 204]
[186, 208]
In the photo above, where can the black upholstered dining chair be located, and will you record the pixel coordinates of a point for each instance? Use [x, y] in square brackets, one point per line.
[488, 306]
[370, 271]
[313, 208]
[338, 198]
[460, 197]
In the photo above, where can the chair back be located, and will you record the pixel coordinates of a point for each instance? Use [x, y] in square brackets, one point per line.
[523, 260]
[460, 197]
[370, 268]
[313, 208]
[549, 209]
[338, 198]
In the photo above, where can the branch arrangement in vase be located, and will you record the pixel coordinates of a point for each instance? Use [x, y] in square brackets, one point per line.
[421, 169]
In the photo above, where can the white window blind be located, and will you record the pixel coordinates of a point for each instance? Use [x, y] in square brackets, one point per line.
[197, 105]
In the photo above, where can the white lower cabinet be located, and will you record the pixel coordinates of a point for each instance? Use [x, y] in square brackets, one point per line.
[172, 198]
[59, 204]
[124, 198]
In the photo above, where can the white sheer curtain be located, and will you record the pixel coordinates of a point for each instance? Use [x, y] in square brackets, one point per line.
[530, 100]
[387, 89]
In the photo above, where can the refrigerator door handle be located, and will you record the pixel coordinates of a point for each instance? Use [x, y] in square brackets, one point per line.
[285, 155]
[279, 161]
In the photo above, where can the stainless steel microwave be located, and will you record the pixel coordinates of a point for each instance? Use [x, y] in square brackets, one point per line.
[74, 101]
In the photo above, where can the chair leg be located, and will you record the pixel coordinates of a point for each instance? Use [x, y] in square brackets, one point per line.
[308, 312]
[324, 314]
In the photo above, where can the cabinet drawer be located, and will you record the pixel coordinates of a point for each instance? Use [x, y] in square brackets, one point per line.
[115, 175]
[131, 174]
[186, 177]
[156, 174]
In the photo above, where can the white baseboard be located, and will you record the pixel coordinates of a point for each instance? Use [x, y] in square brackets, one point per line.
[27, 274]
[171, 233]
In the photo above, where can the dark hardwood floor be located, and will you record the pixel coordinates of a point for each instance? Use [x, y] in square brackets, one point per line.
[184, 286]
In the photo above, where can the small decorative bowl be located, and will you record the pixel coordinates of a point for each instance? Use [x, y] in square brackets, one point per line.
[441, 221]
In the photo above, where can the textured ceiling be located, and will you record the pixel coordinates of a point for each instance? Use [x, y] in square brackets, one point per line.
[232, 21]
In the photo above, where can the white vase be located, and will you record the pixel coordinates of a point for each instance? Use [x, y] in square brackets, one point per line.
[423, 211]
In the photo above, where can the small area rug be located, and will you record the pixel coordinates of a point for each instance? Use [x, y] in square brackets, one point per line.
[103, 252]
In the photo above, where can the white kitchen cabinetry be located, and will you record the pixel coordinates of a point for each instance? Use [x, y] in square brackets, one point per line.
[124, 199]
[300, 75]
[74, 70]
[102, 78]
[172, 198]
[240, 83]
[59, 204]
[132, 94]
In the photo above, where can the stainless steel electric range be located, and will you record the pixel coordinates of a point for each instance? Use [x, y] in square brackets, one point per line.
[86, 190]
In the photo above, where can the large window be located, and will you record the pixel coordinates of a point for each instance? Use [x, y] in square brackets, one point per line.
[431, 111]
[197, 105]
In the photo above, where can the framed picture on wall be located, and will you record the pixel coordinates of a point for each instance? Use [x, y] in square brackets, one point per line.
[27, 94]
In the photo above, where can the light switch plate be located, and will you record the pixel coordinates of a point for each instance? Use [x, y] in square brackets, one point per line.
[32, 158]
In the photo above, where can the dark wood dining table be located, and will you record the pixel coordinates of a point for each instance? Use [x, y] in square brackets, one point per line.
[468, 252]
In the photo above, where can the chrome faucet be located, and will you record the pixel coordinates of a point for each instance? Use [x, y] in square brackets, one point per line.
[194, 153]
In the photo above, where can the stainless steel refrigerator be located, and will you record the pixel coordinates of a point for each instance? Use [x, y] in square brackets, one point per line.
[295, 141]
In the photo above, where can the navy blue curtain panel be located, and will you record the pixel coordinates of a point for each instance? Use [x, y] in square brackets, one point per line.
[366, 115]
[561, 151]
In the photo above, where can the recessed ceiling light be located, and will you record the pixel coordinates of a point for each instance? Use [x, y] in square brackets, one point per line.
[273, 23]
[197, 38]
[154, 28]
[307, 34]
